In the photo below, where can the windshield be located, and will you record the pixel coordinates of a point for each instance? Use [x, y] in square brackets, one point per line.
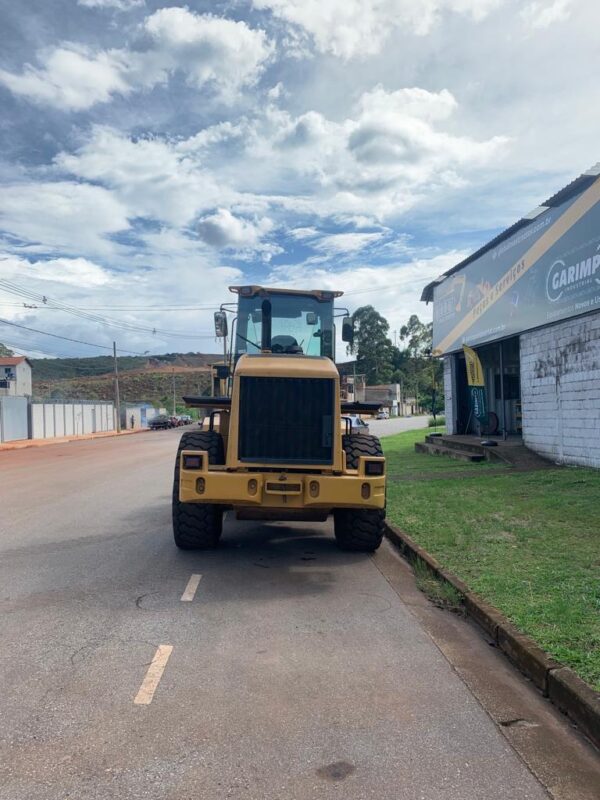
[299, 324]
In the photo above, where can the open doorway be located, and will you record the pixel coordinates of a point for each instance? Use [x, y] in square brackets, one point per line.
[501, 369]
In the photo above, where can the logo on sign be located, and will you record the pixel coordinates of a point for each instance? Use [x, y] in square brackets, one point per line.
[566, 278]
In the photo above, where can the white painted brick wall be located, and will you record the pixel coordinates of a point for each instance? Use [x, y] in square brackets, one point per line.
[560, 391]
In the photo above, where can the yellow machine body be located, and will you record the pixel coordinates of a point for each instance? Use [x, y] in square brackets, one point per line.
[281, 490]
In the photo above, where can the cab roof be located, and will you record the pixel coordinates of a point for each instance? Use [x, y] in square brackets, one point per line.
[253, 291]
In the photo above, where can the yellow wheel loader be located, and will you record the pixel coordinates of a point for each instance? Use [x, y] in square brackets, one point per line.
[282, 448]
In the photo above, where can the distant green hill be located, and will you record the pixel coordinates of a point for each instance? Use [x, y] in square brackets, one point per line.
[141, 378]
[49, 369]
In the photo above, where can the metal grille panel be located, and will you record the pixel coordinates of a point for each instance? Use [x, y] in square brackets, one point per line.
[286, 420]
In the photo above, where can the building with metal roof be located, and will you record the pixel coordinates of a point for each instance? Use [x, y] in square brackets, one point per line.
[528, 304]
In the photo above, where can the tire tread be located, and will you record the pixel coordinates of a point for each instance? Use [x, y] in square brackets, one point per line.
[197, 526]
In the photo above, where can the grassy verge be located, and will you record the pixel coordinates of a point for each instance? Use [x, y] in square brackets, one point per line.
[529, 543]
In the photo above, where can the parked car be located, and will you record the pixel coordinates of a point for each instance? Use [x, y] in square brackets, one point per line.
[185, 419]
[357, 425]
[160, 421]
[383, 414]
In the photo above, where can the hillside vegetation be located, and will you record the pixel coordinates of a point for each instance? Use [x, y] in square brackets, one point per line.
[141, 378]
[45, 369]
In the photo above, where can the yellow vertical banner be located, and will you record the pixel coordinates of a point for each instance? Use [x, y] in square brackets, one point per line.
[474, 368]
[476, 384]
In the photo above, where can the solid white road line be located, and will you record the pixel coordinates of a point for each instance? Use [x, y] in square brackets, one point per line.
[153, 676]
[190, 589]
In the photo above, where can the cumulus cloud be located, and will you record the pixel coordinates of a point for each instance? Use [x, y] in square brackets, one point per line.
[222, 53]
[380, 160]
[63, 215]
[349, 28]
[208, 49]
[539, 14]
[224, 230]
[151, 176]
[71, 77]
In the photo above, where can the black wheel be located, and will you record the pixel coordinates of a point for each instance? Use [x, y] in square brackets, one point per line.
[360, 444]
[359, 529]
[197, 526]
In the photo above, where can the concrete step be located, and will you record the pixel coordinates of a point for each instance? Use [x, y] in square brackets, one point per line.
[436, 448]
[447, 441]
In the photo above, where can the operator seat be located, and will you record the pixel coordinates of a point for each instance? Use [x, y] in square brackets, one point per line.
[285, 344]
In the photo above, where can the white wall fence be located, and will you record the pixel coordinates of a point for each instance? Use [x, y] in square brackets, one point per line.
[50, 420]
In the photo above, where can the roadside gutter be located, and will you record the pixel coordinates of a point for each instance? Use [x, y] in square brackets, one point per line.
[558, 683]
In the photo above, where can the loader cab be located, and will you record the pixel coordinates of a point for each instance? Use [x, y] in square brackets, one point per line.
[284, 322]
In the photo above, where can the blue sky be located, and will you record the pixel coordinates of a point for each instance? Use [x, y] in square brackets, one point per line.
[153, 153]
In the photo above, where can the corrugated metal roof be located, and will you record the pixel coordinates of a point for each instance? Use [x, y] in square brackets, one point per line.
[572, 189]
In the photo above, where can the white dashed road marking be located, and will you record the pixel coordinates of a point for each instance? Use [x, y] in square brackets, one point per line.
[190, 589]
[153, 676]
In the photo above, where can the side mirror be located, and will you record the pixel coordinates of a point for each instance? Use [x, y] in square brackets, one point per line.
[220, 324]
[347, 330]
[222, 371]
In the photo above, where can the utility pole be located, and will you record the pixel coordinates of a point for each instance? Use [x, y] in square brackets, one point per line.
[174, 402]
[117, 396]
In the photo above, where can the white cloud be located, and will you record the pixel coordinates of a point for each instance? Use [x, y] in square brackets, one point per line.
[335, 244]
[63, 215]
[208, 49]
[119, 5]
[224, 230]
[225, 54]
[539, 14]
[78, 272]
[349, 28]
[151, 176]
[379, 161]
[72, 78]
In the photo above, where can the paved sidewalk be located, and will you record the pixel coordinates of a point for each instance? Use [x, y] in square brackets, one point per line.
[21, 443]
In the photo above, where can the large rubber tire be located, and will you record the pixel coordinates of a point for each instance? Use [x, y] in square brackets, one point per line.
[359, 529]
[360, 444]
[197, 526]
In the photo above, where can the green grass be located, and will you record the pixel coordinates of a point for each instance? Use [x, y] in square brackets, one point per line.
[529, 543]
[439, 592]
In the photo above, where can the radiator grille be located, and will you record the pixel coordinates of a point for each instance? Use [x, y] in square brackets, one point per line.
[286, 420]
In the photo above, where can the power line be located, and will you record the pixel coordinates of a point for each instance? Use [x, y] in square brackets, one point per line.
[45, 307]
[21, 291]
[66, 338]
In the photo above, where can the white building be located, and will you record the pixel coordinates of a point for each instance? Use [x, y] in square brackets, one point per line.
[15, 376]
[529, 304]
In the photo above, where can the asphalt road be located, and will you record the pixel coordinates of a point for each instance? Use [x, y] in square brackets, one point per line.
[386, 427]
[292, 671]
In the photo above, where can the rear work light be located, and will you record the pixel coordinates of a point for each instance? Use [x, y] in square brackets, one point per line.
[374, 467]
[192, 461]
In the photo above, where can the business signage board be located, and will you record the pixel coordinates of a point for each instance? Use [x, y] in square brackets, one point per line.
[547, 271]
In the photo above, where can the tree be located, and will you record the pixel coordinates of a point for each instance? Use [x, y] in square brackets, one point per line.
[5, 351]
[422, 373]
[418, 335]
[372, 347]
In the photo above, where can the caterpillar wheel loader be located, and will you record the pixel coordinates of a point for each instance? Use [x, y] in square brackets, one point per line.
[282, 448]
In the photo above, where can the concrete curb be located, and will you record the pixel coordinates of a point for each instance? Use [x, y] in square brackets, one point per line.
[559, 683]
[21, 444]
